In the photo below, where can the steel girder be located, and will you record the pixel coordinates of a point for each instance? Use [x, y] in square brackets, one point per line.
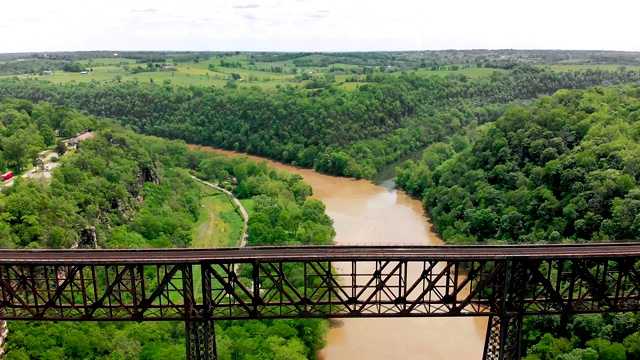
[503, 289]
[289, 289]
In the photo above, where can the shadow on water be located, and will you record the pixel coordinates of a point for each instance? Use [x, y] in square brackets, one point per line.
[385, 176]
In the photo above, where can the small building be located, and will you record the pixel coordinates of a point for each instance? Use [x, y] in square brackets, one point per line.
[77, 139]
[84, 72]
[47, 72]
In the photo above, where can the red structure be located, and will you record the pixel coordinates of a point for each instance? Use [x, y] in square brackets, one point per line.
[503, 283]
[6, 176]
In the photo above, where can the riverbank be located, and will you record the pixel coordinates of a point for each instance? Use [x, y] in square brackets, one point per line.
[369, 214]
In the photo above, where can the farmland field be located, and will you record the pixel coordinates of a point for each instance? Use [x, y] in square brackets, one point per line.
[573, 67]
[219, 71]
[185, 74]
[470, 71]
[255, 74]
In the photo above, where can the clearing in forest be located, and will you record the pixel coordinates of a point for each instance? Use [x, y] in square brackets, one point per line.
[219, 225]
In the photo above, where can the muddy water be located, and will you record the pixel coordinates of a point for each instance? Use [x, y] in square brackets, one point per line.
[368, 214]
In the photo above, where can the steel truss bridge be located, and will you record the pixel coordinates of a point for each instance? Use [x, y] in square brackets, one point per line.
[503, 283]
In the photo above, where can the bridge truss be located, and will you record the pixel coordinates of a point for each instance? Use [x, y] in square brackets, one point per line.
[198, 287]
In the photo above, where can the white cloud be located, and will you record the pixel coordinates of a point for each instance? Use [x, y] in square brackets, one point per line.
[250, 6]
[316, 25]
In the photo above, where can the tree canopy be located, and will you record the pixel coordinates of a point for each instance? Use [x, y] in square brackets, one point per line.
[563, 169]
[349, 133]
[137, 192]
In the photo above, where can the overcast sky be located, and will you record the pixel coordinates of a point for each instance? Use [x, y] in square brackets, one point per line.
[317, 25]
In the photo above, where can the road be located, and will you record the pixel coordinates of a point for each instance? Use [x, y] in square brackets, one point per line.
[45, 174]
[34, 173]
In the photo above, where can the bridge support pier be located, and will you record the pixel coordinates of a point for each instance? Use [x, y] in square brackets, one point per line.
[504, 338]
[4, 331]
[504, 330]
[201, 334]
[201, 340]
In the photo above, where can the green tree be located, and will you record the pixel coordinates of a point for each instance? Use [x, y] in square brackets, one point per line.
[20, 148]
[48, 136]
[579, 354]
[73, 67]
[632, 344]
[61, 147]
[549, 348]
[607, 350]
[587, 326]
[18, 354]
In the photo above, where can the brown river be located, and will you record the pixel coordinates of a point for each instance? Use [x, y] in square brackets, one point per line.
[369, 214]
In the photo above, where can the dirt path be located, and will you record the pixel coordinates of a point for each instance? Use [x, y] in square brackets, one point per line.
[208, 234]
[243, 211]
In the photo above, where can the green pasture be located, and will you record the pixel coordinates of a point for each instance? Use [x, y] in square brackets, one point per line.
[344, 66]
[352, 85]
[252, 71]
[108, 62]
[575, 67]
[314, 58]
[261, 75]
[106, 73]
[248, 205]
[187, 74]
[219, 224]
[471, 71]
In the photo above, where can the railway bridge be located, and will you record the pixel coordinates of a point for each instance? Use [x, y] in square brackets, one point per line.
[503, 283]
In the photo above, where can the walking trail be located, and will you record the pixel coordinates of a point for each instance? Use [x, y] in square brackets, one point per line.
[243, 211]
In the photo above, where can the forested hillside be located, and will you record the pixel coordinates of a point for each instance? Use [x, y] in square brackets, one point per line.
[500, 167]
[135, 191]
[351, 133]
[26, 129]
[565, 169]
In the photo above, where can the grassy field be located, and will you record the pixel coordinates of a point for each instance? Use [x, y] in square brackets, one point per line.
[574, 67]
[219, 225]
[107, 70]
[248, 205]
[211, 73]
[107, 62]
[186, 74]
[471, 72]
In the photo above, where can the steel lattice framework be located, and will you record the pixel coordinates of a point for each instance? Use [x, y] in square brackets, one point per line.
[502, 283]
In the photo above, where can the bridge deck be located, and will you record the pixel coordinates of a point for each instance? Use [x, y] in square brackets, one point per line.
[318, 253]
